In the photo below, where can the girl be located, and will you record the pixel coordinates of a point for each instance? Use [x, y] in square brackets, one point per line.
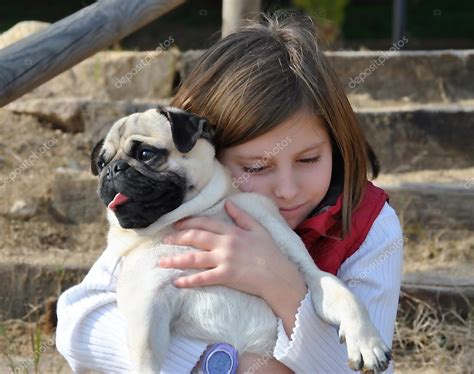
[285, 129]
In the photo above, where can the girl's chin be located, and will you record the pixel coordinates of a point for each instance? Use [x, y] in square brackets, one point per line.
[292, 222]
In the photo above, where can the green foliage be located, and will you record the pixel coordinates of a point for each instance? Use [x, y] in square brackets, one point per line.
[6, 352]
[332, 10]
[36, 345]
[329, 15]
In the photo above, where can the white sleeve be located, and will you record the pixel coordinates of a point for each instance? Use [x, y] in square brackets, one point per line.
[91, 331]
[373, 273]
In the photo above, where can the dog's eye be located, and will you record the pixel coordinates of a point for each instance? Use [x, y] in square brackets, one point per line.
[146, 154]
[101, 163]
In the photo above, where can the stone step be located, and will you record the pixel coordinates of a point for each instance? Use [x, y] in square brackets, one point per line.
[30, 280]
[395, 77]
[442, 290]
[368, 77]
[410, 76]
[406, 138]
[432, 199]
[418, 137]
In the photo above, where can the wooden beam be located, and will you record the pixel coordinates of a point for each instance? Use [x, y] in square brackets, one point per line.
[235, 11]
[399, 20]
[36, 59]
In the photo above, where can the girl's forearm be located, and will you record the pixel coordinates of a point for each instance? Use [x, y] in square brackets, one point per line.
[285, 295]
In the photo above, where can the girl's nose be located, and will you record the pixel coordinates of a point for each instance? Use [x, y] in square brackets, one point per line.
[286, 186]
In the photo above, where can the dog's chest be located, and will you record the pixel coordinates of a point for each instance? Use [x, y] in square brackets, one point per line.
[140, 266]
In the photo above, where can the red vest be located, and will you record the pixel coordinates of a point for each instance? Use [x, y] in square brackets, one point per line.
[321, 233]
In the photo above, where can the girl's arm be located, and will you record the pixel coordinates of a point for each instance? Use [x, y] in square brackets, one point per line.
[91, 331]
[373, 273]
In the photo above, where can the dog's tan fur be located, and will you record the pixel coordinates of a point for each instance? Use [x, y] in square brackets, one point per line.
[154, 308]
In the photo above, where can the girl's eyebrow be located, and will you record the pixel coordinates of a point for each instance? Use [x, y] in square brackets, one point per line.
[317, 145]
[257, 157]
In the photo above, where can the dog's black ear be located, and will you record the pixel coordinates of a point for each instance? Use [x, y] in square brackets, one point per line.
[95, 157]
[187, 128]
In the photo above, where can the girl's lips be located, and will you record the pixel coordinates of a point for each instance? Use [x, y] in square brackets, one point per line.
[291, 210]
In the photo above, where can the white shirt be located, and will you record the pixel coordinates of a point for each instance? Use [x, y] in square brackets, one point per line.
[91, 331]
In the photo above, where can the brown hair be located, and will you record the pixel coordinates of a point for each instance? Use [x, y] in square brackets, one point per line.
[252, 80]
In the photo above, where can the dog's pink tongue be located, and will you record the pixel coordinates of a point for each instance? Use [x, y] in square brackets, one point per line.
[119, 199]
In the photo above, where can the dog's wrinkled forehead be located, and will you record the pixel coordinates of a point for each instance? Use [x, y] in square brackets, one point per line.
[149, 127]
[167, 129]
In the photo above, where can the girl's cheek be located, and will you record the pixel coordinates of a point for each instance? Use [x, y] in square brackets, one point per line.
[252, 183]
[248, 184]
[322, 176]
[258, 183]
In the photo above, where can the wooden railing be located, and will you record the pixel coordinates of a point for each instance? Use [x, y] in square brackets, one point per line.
[36, 59]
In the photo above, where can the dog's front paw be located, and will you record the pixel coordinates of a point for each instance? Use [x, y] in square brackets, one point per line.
[365, 347]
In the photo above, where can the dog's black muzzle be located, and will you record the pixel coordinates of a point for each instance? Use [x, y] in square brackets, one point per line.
[148, 199]
[116, 168]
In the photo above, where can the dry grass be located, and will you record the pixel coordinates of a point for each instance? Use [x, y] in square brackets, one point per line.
[25, 349]
[429, 341]
[426, 341]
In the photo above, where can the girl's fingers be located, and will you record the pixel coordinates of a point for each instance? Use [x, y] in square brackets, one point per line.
[190, 260]
[204, 223]
[199, 239]
[241, 218]
[204, 278]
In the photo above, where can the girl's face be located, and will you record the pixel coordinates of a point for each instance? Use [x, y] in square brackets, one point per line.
[290, 164]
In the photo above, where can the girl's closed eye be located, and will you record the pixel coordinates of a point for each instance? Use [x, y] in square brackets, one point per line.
[249, 169]
[252, 170]
[312, 159]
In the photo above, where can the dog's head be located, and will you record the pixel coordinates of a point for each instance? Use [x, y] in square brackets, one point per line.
[150, 163]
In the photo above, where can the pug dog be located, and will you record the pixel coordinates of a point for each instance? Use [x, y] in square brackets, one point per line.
[159, 166]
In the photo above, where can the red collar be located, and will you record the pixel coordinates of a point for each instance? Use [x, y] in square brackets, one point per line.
[321, 233]
[325, 223]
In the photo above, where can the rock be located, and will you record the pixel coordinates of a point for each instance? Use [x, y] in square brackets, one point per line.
[420, 137]
[23, 209]
[115, 75]
[91, 116]
[68, 116]
[20, 31]
[187, 60]
[74, 197]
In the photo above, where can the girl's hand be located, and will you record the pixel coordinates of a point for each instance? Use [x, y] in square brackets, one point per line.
[243, 257]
